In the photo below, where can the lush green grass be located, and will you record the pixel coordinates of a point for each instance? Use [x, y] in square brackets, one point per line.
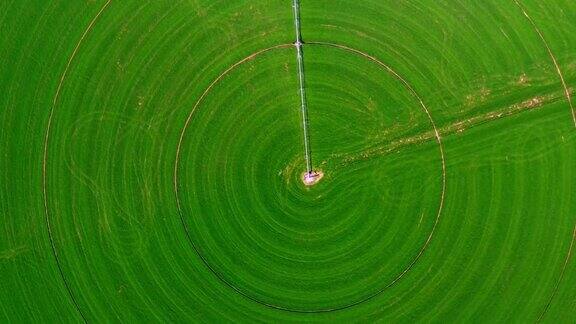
[162, 195]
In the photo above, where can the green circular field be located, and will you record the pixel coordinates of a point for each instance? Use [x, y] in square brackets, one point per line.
[152, 160]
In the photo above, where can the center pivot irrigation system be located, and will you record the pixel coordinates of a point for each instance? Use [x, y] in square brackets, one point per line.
[155, 186]
[310, 177]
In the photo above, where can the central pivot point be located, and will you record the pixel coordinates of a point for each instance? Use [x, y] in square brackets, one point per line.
[311, 178]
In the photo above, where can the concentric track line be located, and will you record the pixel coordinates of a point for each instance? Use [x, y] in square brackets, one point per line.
[557, 286]
[45, 155]
[569, 98]
[401, 274]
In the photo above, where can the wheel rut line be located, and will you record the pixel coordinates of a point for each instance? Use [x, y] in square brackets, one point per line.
[294, 310]
[561, 277]
[48, 224]
[569, 98]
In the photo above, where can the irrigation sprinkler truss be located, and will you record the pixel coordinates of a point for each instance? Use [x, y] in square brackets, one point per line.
[303, 102]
